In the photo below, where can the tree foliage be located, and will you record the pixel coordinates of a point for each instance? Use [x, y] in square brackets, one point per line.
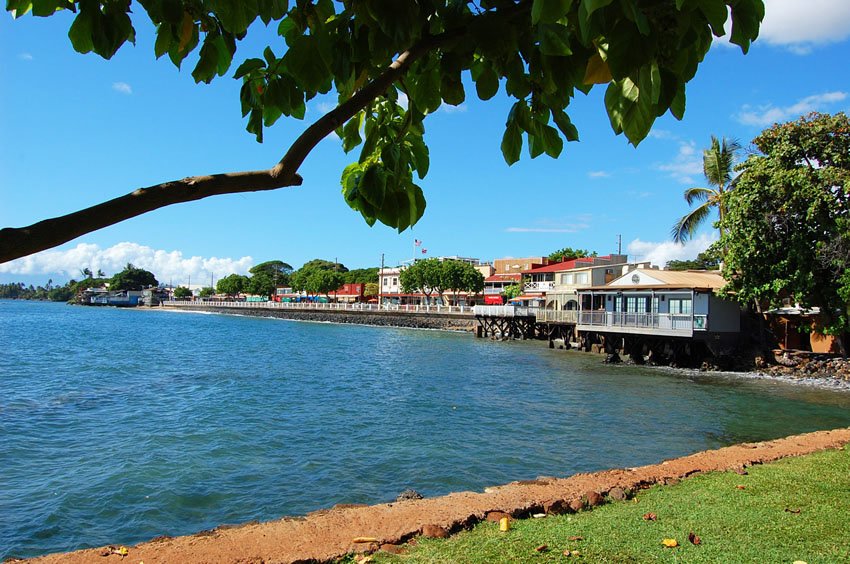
[206, 292]
[718, 162]
[181, 292]
[132, 278]
[319, 276]
[266, 276]
[232, 285]
[568, 253]
[369, 53]
[434, 275]
[708, 260]
[787, 227]
[361, 276]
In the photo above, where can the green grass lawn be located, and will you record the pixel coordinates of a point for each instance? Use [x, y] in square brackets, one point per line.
[794, 509]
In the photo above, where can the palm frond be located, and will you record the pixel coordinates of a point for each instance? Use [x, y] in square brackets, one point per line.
[699, 195]
[718, 161]
[686, 227]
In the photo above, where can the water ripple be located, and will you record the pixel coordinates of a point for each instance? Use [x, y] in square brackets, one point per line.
[118, 426]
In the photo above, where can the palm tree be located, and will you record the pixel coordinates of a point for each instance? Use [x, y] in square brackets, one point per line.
[717, 164]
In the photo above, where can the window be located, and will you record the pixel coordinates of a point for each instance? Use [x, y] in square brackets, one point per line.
[680, 306]
[581, 278]
[386, 281]
[566, 278]
[636, 304]
[395, 281]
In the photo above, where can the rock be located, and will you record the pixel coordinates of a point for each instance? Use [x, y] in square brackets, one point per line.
[576, 505]
[594, 499]
[408, 495]
[393, 548]
[617, 493]
[495, 516]
[434, 532]
[556, 507]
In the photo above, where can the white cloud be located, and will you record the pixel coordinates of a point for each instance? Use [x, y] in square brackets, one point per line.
[599, 174]
[541, 230]
[686, 166]
[660, 253]
[122, 87]
[25, 56]
[569, 225]
[801, 25]
[767, 115]
[449, 109]
[166, 265]
[661, 134]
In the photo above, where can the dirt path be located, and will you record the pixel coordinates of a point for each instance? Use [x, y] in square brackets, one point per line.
[328, 534]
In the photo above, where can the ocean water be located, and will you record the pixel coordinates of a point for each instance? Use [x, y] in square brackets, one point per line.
[120, 425]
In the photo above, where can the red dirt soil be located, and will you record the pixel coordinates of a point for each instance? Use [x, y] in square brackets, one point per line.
[328, 534]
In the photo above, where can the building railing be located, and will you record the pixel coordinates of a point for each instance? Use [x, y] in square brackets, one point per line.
[489, 291]
[538, 286]
[557, 316]
[355, 307]
[503, 311]
[662, 321]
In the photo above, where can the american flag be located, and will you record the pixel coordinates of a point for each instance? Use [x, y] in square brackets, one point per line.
[424, 251]
[417, 242]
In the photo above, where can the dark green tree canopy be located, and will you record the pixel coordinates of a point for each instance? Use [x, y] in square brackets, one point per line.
[369, 52]
[232, 285]
[568, 253]
[132, 278]
[707, 260]
[787, 226]
[266, 275]
[182, 292]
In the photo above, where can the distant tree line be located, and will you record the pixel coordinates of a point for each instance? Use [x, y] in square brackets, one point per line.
[131, 278]
[315, 277]
[433, 276]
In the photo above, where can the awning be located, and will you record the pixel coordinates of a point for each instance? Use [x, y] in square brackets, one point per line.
[525, 298]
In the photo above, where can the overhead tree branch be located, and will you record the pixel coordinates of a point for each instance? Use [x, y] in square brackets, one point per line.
[16, 242]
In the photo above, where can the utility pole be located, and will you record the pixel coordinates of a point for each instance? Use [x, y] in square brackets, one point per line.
[619, 244]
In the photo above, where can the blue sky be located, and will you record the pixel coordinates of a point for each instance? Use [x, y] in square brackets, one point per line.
[76, 130]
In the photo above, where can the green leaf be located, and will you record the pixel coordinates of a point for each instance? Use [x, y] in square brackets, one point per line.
[81, 31]
[486, 83]
[164, 38]
[425, 89]
[421, 159]
[248, 66]
[677, 107]
[207, 63]
[308, 69]
[716, 14]
[511, 143]
[746, 18]
[593, 5]
[351, 133]
[554, 39]
[373, 186]
[416, 199]
[552, 142]
[547, 11]
[562, 120]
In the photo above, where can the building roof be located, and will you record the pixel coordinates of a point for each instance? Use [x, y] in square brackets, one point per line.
[565, 265]
[690, 279]
[513, 277]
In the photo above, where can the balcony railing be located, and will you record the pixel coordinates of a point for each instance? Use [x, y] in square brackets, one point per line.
[557, 316]
[538, 286]
[503, 311]
[684, 323]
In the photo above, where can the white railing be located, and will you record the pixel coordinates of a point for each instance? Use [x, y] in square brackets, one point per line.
[558, 316]
[503, 311]
[538, 286]
[493, 290]
[662, 321]
[317, 306]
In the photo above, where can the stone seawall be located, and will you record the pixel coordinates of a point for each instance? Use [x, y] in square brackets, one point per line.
[441, 321]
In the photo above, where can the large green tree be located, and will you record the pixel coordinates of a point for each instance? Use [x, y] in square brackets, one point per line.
[132, 278]
[569, 253]
[370, 52]
[718, 163]
[459, 276]
[787, 226]
[424, 276]
[266, 276]
[231, 285]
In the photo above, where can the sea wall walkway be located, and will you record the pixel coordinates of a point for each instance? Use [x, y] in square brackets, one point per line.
[447, 318]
